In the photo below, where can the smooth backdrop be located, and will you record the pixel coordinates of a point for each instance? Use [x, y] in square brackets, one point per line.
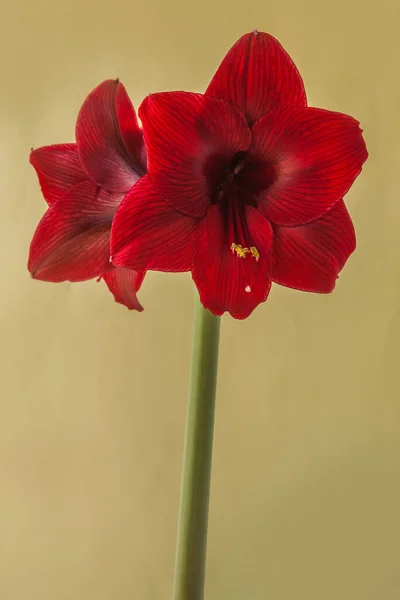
[306, 474]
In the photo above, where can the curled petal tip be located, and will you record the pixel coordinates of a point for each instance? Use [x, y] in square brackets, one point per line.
[124, 285]
[109, 141]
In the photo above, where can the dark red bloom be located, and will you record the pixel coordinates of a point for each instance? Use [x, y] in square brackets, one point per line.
[245, 184]
[83, 184]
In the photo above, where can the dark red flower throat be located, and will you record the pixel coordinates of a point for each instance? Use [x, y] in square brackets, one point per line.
[233, 185]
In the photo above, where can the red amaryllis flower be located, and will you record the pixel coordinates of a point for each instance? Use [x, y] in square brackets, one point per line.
[244, 184]
[83, 184]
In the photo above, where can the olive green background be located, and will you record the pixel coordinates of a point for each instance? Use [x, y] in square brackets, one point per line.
[306, 473]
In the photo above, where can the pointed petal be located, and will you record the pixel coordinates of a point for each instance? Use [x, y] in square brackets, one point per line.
[58, 169]
[317, 154]
[107, 133]
[124, 285]
[147, 233]
[185, 135]
[309, 257]
[72, 240]
[256, 75]
[226, 282]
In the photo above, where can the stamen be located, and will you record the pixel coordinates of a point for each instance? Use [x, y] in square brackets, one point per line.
[242, 252]
[254, 252]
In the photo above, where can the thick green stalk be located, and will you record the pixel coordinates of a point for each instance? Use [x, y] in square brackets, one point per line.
[196, 472]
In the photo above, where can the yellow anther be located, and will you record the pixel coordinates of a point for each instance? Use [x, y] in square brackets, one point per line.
[254, 252]
[242, 252]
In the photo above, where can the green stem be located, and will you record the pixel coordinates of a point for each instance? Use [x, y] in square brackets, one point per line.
[196, 472]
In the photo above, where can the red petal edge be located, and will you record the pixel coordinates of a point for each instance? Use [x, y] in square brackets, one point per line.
[58, 169]
[124, 285]
[106, 145]
[72, 240]
[310, 257]
[132, 135]
[256, 75]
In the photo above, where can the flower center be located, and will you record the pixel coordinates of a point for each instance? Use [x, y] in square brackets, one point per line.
[234, 185]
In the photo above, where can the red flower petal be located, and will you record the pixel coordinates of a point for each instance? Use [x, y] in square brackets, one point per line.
[132, 135]
[124, 284]
[318, 155]
[147, 233]
[256, 75]
[184, 134]
[106, 145]
[72, 240]
[309, 257]
[226, 282]
[58, 169]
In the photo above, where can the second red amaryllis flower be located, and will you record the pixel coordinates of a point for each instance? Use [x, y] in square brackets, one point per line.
[83, 184]
[244, 184]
